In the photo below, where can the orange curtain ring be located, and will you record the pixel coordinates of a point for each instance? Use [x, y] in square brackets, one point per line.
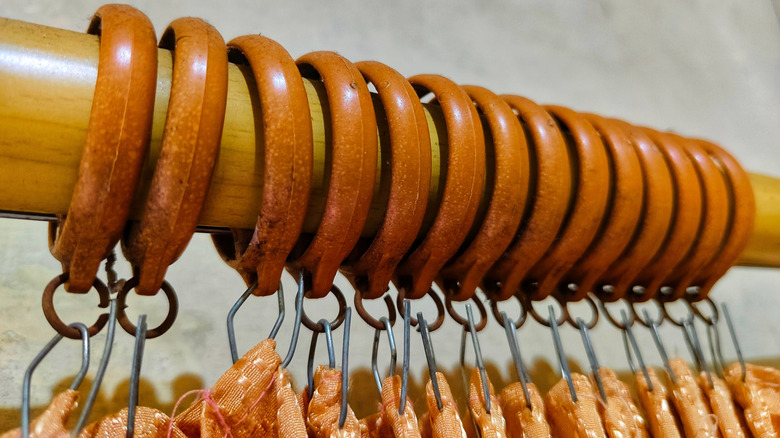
[686, 217]
[587, 208]
[551, 187]
[409, 180]
[655, 220]
[463, 186]
[353, 148]
[623, 211]
[117, 138]
[507, 196]
[715, 219]
[193, 129]
[287, 160]
[743, 211]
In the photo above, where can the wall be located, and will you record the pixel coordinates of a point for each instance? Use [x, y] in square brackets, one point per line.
[700, 68]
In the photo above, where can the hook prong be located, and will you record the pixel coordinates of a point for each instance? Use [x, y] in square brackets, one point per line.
[430, 357]
[517, 358]
[561, 354]
[407, 352]
[135, 373]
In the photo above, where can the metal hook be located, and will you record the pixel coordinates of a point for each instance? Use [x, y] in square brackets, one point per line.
[653, 326]
[326, 328]
[628, 338]
[517, 358]
[713, 335]
[592, 359]
[296, 323]
[470, 328]
[345, 367]
[93, 391]
[135, 373]
[232, 314]
[692, 341]
[388, 328]
[561, 354]
[430, 357]
[85, 350]
[407, 351]
[734, 340]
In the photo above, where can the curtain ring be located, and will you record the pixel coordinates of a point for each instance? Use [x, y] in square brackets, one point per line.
[377, 324]
[439, 309]
[464, 321]
[336, 323]
[54, 319]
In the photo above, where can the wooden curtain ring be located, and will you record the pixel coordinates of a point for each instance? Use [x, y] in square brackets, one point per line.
[623, 211]
[684, 227]
[587, 210]
[743, 211]
[715, 219]
[354, 157]
[193, 129]
[409, 180]
[654, 220]
[552, 187]
[510, 184]
[463, 186]
[117, 137]
[287, 161]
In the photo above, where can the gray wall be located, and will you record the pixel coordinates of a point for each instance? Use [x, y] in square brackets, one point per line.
[701, 68]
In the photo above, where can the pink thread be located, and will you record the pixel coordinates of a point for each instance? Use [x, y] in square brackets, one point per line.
[205, 395]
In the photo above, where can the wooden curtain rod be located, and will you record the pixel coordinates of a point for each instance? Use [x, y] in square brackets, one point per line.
[48, 77]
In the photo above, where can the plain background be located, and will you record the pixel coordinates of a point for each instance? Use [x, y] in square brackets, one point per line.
[698, 67]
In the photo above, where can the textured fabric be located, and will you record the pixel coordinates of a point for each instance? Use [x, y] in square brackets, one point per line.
[722, 405]
[403, 426]
[522, 422]
[324, 407]
[620, 415]
[574, 420]
[661, 417]
[241, 403]
[490, 425]
[759, 397]
[444, 423]
[374, 426]
[695, 414]
[149, 423]
[289, 417]
[51, 422]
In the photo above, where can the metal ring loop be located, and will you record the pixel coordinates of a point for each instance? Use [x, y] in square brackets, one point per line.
[593, 320]
[463, 321]
[612, 319]
[528, 304]
[412, 320]
[370, 320]
[51, 313]
[668, 316]
[336, 323]
[647, 323]
[709, 320]
[129, 327]
[520, 319]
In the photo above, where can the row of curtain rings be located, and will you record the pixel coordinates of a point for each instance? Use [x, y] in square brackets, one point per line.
[616, 210]
[578, 204]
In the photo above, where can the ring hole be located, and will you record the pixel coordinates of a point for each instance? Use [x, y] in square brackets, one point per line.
[154, 306]
[331, 304]
[542, 316]
[521, 311]
[78, 307]
[586, 309]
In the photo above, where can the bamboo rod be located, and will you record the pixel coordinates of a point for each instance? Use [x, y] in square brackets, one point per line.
[48, 76]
